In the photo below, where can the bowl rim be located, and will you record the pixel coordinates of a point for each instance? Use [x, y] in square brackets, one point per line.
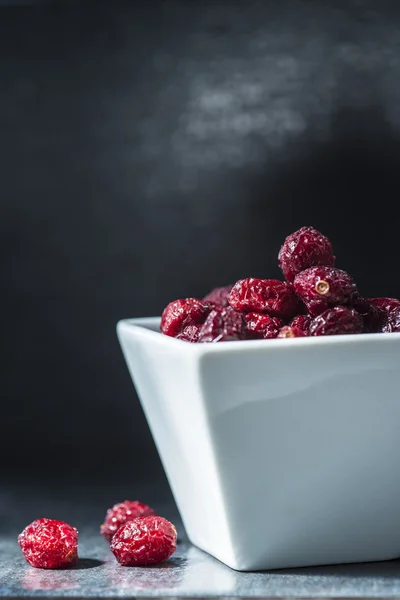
[145, 326]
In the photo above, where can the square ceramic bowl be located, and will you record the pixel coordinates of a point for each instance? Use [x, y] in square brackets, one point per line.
[280, 453]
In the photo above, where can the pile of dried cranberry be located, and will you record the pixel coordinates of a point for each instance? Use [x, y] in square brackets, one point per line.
[136, 534]
[316, 299]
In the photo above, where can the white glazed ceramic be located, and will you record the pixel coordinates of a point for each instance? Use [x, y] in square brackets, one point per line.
[280, 453]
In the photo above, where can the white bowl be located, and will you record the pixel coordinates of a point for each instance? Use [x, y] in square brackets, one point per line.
[279, 453]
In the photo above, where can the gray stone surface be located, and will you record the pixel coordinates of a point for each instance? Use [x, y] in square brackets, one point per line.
[190, 573]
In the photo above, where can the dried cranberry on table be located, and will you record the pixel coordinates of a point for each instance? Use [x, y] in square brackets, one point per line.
[260, 325]
[120, 514]
[274, 297]
[49, 544]
[304, 248]
[337, 321]
[322, 287]
[144, 541]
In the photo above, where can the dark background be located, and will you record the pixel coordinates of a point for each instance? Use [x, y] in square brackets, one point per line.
[150, 151]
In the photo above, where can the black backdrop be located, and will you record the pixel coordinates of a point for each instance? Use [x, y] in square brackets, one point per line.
[151, 151]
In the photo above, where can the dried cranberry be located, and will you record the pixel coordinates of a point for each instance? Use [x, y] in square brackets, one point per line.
[181, 313]
[261, 325]
[305, 248]
[223, 325]
[271, 296]
[290, 332]
[144, 541]
[301, 323]
[299, 327]
[385, 304]
[392, 322]
[372, 316]
[190, 334]
[337, 321]
[219, 296]
[322, 287]
[49, 544]
[120, 514]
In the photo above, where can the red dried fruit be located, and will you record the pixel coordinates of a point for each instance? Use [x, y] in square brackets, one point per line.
[219, 296]
[303, 249]
[299, 327]
[337, 321]
[190, 334]
[392, 322]
[182, 313]
[372, 316]
[322, 287]
[301, 323]
[144, 541]
[385, 304]
[120, 514]
[261, 325]
[289, 332]
[271, 296]
[223, 325]
[49, 544]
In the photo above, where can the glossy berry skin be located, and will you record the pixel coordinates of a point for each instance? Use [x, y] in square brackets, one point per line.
[372, 316]
[337, 321]
[223, 325]
[322, 287]
[181, 313]
[120, 514]
[303, 249]
[190, 334]
[219, 296]
[49, 544]
[392, 322]
[385, 304]
[260, 325]
[276, 298]
[144, 541]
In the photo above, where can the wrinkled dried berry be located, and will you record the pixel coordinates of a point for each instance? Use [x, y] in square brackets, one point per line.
[120, 514]
[385, 304]
[322, 287]
[219, 296]
[276, 298]
[260, 325]
[303, 249]
[190, 334]
[391, 322]
[337, 321]
[223, 325]
[181, 313]
[49, 544]
[290, 332]
[299, 327]
[144, 541]
[372, 316]
[301, 323]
